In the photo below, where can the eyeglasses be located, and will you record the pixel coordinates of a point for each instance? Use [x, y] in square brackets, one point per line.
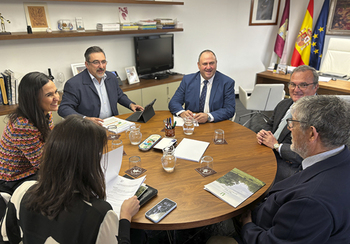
[290, 122]
[96, 62]
[301, 86]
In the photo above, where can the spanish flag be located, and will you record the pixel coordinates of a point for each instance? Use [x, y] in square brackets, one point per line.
[301, 53]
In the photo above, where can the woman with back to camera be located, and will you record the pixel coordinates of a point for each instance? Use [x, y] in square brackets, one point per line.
[27, 130]
[67, 203]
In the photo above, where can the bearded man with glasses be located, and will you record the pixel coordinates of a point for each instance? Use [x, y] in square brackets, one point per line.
[303, 82]
[94, 93]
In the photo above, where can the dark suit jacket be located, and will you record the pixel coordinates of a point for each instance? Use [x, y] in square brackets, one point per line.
[289, 161]
[222, 96]
[311, 206]
[81, 97]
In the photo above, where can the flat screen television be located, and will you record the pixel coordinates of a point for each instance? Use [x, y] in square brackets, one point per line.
[153, 55]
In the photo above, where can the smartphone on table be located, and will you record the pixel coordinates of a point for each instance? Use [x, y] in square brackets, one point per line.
[160, 210]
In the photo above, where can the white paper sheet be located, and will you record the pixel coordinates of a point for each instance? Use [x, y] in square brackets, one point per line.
[111, 163]
[122, 189]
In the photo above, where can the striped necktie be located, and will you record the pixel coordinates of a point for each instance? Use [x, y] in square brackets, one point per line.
[203, 95]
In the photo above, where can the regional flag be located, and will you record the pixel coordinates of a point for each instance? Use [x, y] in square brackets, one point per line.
[318, 37]
[301, 53]
[282, 31]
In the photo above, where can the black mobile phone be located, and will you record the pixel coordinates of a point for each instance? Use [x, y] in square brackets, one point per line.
[160, 210]
[118, 78]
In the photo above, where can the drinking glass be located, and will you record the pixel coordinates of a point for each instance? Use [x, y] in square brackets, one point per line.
[188, 126]
[135, 164]
[219, 136]
[112, 132]
[116, 143]
[207, 164]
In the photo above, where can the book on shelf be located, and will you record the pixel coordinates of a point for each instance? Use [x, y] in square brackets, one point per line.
[14, 86]
[3, 90]
[130, 27]
[7, 81]
[108, 26]
[148, 27]
[166, 21]
[165, 26]
[147, 22]
[234, 187]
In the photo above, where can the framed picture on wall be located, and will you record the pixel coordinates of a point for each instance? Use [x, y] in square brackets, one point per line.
[77, 68]
[131, 74]
[37, 16]
[338, 19]
[264, 12]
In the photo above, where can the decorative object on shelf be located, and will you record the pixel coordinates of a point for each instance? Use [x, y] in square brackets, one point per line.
[48, 30]
[64, 25]
[60, 81]
[29, 29]
[37, 16]
[131, 74]
[80, 24]
[264, 12]
[77, 68]
[3, 29]
[124, 15]
[50, 74]
[338, 19]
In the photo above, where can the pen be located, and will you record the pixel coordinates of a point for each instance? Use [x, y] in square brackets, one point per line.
[170, 121]
[174, 125]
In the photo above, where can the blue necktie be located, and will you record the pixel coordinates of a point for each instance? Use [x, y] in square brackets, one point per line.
[203, 95]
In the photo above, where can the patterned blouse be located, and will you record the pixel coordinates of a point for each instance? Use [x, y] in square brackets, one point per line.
[20, 149]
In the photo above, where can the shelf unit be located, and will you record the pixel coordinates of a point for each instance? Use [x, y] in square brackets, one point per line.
[120, 1]
[56, 34]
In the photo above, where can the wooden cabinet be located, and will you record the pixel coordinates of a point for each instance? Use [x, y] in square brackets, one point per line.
[135, 96]
[143, 96]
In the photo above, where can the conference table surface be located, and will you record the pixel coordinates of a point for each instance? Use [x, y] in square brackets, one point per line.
[197, 207]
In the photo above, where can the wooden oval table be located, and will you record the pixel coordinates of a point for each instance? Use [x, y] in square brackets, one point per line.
[197, 207]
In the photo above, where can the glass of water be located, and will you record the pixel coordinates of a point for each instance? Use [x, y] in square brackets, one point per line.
[188, 126]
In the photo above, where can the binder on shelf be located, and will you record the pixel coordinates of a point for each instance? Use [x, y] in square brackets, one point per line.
[143, 116]
[3, 91]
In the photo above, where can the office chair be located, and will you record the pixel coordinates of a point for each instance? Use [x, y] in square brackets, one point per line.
[337, 58]
[264, 97]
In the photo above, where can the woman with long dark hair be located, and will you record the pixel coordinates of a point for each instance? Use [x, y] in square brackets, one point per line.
[27, 130]
[67, 203]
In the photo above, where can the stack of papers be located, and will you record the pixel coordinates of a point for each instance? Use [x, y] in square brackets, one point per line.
[192, 150]
[122, 124]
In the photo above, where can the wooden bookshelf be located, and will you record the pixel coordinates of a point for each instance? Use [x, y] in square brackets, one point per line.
[57, 34]
[120, 1]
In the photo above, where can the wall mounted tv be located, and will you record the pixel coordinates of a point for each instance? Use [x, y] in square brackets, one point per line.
[154, 55]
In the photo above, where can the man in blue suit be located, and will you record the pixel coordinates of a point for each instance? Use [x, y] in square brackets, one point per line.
[312, 206]
[94, 93]
[208, 95]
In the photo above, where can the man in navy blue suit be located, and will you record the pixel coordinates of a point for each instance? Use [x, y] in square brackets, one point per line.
[94, 93]
[312, 206]
[208, 95]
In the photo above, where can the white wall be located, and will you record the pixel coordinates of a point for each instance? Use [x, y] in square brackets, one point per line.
[220, 25]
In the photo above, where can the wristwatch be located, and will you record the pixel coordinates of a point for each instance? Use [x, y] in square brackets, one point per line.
[276, 146]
